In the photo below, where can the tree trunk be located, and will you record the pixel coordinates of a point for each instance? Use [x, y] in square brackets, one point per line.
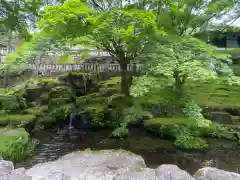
[126, 78]
[178, 85]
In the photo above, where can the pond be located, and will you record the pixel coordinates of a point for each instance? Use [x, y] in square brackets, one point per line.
[224, 154]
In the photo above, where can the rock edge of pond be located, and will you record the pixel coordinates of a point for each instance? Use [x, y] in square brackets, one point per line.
[107, 165]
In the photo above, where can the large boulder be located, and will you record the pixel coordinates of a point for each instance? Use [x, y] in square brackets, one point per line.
[163, 172]
[104, 164]
[172, 172]
[210, 173]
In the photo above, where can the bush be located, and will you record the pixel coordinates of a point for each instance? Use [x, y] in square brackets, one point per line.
[120, 132]
[190, 142]
[19, 149]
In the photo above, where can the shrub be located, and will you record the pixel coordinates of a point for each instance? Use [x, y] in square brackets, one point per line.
[120, 132]
[19, 149]
[190, 142]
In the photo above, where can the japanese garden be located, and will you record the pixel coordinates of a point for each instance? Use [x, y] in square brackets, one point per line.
[119, 89]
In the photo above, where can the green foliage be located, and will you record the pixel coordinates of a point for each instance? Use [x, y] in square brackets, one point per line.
[186, 17]
[120, 132]
[189, 142]
[19, 149]
[12, 102]
[183, 59]
[97, 112]
[15, 144]
[218, 131]
[16, 15]
[192, 110]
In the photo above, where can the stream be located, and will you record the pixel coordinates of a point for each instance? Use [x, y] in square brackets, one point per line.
[224, 154]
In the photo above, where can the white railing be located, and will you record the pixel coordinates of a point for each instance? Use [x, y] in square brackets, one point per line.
[81, 67]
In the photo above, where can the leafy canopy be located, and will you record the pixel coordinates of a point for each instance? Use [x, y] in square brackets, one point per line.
[186, 57]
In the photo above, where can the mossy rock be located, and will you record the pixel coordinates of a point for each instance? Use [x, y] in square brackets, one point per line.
[15, 144]
[170, 127]
[189, 142]
[219, 116]
[178, 126]
[17, 119]
[82, 83]
[47, 121]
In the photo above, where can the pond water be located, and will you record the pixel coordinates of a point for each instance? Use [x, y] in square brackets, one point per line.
[224, 154]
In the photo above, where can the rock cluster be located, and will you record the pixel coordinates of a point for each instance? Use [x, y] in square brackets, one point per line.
[107, 165]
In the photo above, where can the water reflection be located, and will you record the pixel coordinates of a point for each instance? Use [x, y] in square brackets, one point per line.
[224, 154]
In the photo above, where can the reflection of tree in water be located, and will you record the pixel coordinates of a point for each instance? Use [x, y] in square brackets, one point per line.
[227, 156]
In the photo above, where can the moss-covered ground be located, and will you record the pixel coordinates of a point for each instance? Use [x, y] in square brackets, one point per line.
[217, 94]
[47, 100]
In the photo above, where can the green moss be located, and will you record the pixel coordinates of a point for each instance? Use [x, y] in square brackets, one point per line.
[120, 132]
[210, 94]
[171, 127]
[113, 81]
[189, 142]
[17, 119]
[155, 122]
[215, 94]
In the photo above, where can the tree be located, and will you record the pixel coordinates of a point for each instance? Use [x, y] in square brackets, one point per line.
[182, 59]
[120, 32]
[187, 17]
[19, 15]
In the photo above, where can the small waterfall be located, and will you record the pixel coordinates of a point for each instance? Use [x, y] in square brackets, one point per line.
[72, 117]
